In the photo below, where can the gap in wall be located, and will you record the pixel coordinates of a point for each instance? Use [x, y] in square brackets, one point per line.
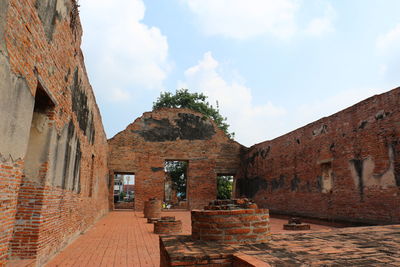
[175, 184]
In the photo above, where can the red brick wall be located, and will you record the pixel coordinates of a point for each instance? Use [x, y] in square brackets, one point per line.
[343, 167]
[40, 48]
[124, 205]
[231, 226]
[173, 134]
[10, 177]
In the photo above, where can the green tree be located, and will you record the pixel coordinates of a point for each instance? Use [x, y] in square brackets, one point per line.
[194, 101]
[224, 187]
[177, 171]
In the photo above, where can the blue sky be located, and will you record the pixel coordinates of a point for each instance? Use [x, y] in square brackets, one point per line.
[272, 65]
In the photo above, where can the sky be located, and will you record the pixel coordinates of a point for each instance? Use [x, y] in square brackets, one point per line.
[272, 65]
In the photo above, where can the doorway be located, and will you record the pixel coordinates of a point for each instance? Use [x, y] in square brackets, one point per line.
[124, 190]
[175, 184]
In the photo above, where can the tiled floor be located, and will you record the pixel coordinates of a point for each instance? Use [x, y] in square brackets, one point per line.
[124, 238]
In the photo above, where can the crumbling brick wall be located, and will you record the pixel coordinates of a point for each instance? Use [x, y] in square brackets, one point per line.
[343, 167]
[53, 149]
[173, 134]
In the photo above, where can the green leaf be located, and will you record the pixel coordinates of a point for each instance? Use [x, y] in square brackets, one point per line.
[194, 101]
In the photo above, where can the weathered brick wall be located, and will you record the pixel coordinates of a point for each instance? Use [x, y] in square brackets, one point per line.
[10, 176]
[343, 167]
[53, 149]
[173, 134]
[124, 205]
[231, 226]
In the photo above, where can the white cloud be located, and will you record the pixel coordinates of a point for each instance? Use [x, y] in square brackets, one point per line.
[241, 19]
[251, 123]
[389, 41]
[119, 95]
[322, 25]
[120, 51]
[256, 123]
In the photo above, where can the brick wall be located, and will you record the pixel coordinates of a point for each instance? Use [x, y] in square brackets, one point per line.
[173, 134]
[10, 176]
[53, 150]
[231, 226]
[124, 205]
[343, 167]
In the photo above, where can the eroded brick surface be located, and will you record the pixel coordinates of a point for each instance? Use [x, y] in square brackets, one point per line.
[124, 238]
[173, 134]
[343, 167]
[236, 225]
[53, 149]
[361, 246]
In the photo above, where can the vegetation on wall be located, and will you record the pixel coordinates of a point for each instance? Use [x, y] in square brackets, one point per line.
[177, 172]
[224, 187]
[194, 101]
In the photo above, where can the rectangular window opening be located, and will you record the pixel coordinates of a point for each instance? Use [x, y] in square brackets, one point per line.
[225, 186]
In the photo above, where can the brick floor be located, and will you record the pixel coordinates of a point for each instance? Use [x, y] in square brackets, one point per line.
[124, 238]
[355, 246]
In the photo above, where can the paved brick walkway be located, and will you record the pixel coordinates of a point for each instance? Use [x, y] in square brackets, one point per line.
[124, 238]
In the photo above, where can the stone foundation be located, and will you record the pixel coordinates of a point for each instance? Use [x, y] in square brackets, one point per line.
[152, 208]
[163, 218]
[231, 222]
[168, 227]
[339, 247]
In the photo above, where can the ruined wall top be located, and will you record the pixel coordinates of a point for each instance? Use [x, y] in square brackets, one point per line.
[175, 124]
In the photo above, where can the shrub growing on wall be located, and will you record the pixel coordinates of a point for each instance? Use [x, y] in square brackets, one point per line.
[224, 187]
[194, 101]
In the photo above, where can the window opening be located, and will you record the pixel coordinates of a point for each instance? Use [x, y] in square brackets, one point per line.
[224, 186]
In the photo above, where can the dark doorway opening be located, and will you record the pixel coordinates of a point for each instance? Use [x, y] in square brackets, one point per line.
[175, 184]
[224, 186]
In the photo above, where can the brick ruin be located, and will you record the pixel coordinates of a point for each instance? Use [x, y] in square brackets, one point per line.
[57, 167]
[342, 167]
[168, 225]
[173, 134]
[351, 246]
[233, 221]
[217, 230]
[53, 148]
[345, 167]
